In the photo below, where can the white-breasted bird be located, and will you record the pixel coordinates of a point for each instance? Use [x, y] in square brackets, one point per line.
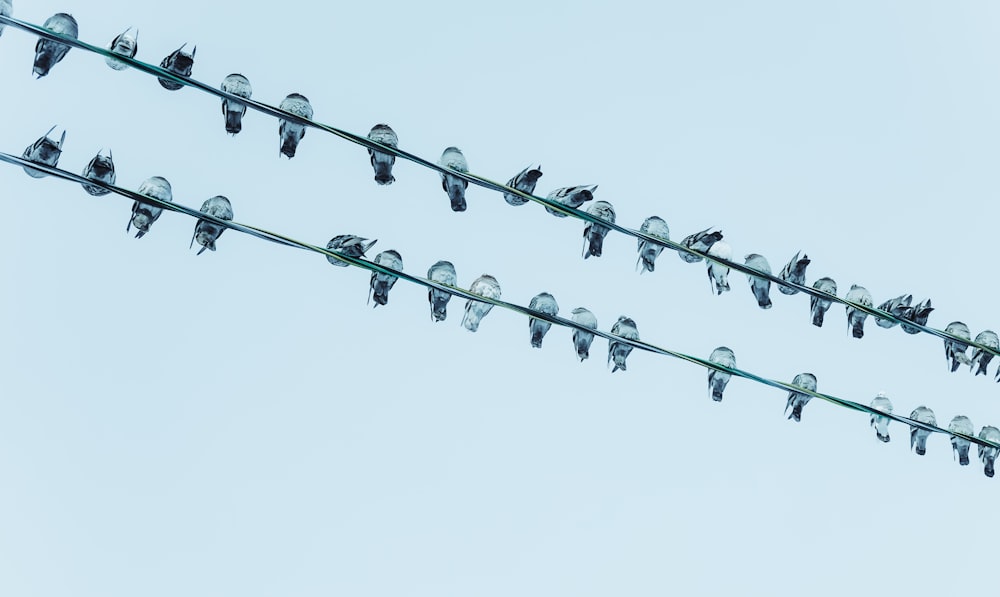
[348, 245]
[761, 287]
[619, 351]
[48, 52]
[487, 286]
[453, 159]
[524, 181]
[717, 380]
[573, 197]
[6, 9]
[954, 350]
[699, 241]
[542, 302]
[144, 214]
[918, 436]
[918, 314]
[101, 168]
[582, 340]
[593, 234]
[856, 317]
[795, 272]
[987, 454]
[381, 161]
[125, 43]
[43, 151]
[179, 63]
[798, 400]
[881, 424]
[817, 306]
[442, 272]
[289, 132]
[896, 307]
[380, 284]
[718, 274]
[981, 357]
[207, 232]
[233, 110]
[648, 251]
[960, 446]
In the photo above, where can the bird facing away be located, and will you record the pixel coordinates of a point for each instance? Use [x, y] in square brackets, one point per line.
[144, 214]
[699, 241]
[918, 436]
[380, 283]
[43, 151]
[717, 380]
[797, 400]
[918, 314]
[593, 234]
[718, 274]
[207, 232]
[619, 351]
[648, 251]
[48, 52]
[881, 424]
[987, 454]
[381, 161]
[856, 317]
[525, 182]
[233, 110]
[6, 9]
[955, 351]
[960, 446]
[582, 340]
[100, 168]
[124, 44]
[543, 303]
[348, 245]
[981, 357]
[453, 159]
[896, 307]
[442, 272]
[794, 272]
[179, 63]
[817, 306]
[487, 286]
[573, 197]
[291, 132]
[761, 287]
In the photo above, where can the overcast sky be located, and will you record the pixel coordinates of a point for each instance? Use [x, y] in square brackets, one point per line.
[242, 423]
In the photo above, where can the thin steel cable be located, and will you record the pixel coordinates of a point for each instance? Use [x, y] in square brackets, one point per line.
[455, 291]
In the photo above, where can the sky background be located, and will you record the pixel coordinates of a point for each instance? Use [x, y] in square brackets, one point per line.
[242, 423]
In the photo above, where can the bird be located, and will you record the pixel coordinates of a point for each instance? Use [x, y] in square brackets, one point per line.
[959, 445]
[797, 400]
[573, 197]
[987, 454]
[291, 132]
[817, 306]
[917, 314]
[717, 380]
[794, 272]
[124, 44]
[43, 151]
[881, 424]
[954, 350]
[442, 272]
[179, 63]
[380, 283]
[487, 286]
[981, 357]
[100, 168]
[593, 234]
[144, 214]
[699, 241]
[233, 110]
[543, 303]
[856, 317]
[581, 339]
[453, 159]
[207, 232]
[47, 52]
[381, 161]
[918, 435]
[6, 9]
[761, 287]
[648, 251]
[523, 181]
[619, 351]
[896, 307]
[348, 245]
[718, 274]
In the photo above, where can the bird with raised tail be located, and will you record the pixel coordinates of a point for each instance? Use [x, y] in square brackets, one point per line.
[47, 52]
[981, 358]
[525, 182]
[207, 232]
[761, 287]
[959, 445]
[988, 455]
[486, 286]
[699, 241]
[817, 306]
[717, 380]
[794, 272]
[896, 307]
[348, 245]
[6, 9]
[954, 350]
[179, 63]
[381, 161]
[573, 197]
[453, 159]
[233, 110]
[543, 303]
[718, 274]
[881, 403]
[125, 43]
[594, 234]
[290, 132]
[43, 151]
[380, 284]
[917, 314]
[918, 436]
[144, 214]
[798, 400]
[102, 169]
[581, 339]
[619, 351]
[648, 251]
[856, 317]
[442, 272]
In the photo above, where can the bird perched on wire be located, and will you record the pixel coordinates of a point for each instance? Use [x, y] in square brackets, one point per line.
[525, 182]
[593, 234]
[453, 159]
[380, 283]
[581, 339]
[717, 380]
[543, 303]
[817, 306]
[291, 132]
[959, 445]
[233, 110]
[917, 314]
[381, 161]
[896, 307]
[881, 424]
[761, 287]
[987, 454]
[43, 151]
[699, 241]
[718, 274]
[573, 197]
[954, 350]
[179, 63]
[47, 52]
[144, 214]
[125, 43]
[101, 168]
[794, 272]
[348, 245]
[856, 317]
[918, 436]
[648, 251]
[486, 286]
[6, 9]
[798, 400]
[207, 232]
[619, 351]
[442, 272]
[981, 357]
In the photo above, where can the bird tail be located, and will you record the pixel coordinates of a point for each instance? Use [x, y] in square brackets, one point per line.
[858, 329]
[234, 120]
[818, 318]
[884, 438]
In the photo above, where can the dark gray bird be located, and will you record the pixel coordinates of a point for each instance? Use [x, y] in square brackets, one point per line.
[761, 287]
[699, 241]
[619, 351]
[43, 151]
[442, 272]
[144, 214]
[573, 197]
[881, 424]
[48, 52]
[986, 454]
[100, 168]
[487, 286]
[795, 272]
[959, 445]
[918, 314]
[593, 234]
[717, 380]
[648, 251]
[380, 283]
[817, 306]
[207, 232]
[6, 9]
[454, 159]
[856, 317]
[381, 161]
[543, 303]
[582, 340]
[797, 400]
[179, 63]
[525, 182]
[718, 274]
[896, 307]
[124, 44]
[981, 357]
[348, 245]
[955, 351]
[290, 132]
[233, 110]
[918, 436]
